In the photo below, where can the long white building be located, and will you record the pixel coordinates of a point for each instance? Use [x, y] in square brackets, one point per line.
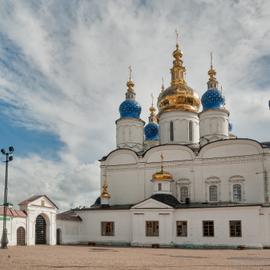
[180, 180]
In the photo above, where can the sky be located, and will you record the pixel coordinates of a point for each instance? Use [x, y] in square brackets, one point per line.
[64, 67]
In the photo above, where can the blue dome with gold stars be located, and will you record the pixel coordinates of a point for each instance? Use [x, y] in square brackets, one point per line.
[130, 108]
[151, 131]
[212, 99]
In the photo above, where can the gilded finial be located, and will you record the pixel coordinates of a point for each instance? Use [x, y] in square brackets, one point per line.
[130, 94]
[105, 194]
[161, 162]
[162, 85]
[152, 109]
[177, 71]
[130, 72]
[177, 37]
[212, 82]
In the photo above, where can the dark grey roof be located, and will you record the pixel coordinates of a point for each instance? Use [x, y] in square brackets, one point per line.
[105, 207]
[265, 144]
[167, 199]
[216, 205]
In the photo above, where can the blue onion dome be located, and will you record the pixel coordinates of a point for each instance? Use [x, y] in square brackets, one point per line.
[151, 130]
[130, 108]
[212, 98]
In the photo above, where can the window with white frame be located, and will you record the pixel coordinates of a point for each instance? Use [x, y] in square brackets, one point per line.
[183, 193]
[213, 193]
[237, 192]
[159, 187]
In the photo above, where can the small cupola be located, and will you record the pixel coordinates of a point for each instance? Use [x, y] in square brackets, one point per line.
[162, 180]
[105, 196]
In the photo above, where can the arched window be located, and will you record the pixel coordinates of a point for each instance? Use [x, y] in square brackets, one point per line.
[190, 131]
[171, 132]
[237, 193]
[159, 187]
[213, 193]
[183, 194]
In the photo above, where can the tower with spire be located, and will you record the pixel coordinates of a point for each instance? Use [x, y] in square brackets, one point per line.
[214, 118]
[151, 130]
[178, 107]
[129, 127]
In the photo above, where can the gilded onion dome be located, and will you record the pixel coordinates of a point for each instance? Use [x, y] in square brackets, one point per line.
[179, 96]
[162, 175]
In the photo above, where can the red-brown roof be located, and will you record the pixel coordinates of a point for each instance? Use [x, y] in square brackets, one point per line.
[68, 216]
[35, 197]
[12, 212]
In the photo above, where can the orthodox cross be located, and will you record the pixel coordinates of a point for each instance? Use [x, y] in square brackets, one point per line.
[130, 72]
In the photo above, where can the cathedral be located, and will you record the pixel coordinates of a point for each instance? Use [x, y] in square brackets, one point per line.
[180, 180]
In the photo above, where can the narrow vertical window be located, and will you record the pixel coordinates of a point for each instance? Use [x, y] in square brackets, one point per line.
[183, 194]
[181, 228]
[190, 131]
[159, 187]
[237, 193]
[235, 228]
[171, 132]
[213, 193]
[208, 228]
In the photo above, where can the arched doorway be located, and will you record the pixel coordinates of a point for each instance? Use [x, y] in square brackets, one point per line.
[20, 236]
[58, 236]
[41, 228]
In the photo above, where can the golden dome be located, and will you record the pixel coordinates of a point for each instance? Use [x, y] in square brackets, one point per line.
[179, 96]
[162, 175]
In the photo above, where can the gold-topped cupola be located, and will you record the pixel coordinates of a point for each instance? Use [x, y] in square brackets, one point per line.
[179, 96]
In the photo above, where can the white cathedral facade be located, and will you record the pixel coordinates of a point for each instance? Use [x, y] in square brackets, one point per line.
[181, 180]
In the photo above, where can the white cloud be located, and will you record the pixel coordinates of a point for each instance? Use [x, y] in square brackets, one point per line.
[76, 56]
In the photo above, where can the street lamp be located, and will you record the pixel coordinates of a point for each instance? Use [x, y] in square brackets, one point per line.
[8, 154]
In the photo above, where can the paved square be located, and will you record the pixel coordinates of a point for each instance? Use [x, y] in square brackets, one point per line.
[85, 257]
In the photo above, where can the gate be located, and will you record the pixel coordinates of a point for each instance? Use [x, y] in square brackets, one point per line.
[20, 236]
[40, 230]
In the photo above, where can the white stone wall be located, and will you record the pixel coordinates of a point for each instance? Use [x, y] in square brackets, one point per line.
[223, 163]
[91, 226]
[181, 127]
[130, 225]
[70, 231]
[130, 133]
[12, 225]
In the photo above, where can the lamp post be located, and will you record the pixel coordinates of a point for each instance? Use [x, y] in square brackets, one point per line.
[8, 154]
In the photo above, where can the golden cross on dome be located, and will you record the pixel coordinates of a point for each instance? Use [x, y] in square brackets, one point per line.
[177, 36]
[211, 59]
[152, 97]
[130, 72]
[162, 159]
